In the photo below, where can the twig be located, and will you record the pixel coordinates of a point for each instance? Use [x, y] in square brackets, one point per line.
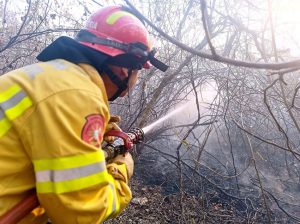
[259, 179]
[207, 34]
[270, 66]
[266, 141]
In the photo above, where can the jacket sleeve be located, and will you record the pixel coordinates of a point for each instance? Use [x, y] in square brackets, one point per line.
[63, 140]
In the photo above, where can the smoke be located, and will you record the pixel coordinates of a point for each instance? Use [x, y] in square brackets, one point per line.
[224, 156]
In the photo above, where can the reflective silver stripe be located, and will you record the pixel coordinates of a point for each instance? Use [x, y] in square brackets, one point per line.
[69, 174]
[114, 206]
[58, 64]
[33, 70]
[1, 114]
[13, 101]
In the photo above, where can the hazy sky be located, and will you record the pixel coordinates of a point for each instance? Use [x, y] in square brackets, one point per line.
[286, 15]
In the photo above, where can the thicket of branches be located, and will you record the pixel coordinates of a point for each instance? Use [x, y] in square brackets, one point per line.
[241, 136]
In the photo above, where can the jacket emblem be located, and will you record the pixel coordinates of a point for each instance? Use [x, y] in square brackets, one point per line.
[92, 131]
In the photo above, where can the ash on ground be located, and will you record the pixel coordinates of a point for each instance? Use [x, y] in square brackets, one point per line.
[150, 205]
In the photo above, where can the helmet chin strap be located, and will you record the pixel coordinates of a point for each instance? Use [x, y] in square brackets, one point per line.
[121, 84]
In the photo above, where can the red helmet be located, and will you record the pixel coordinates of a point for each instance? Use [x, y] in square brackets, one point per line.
[114, 23]
[115, 31]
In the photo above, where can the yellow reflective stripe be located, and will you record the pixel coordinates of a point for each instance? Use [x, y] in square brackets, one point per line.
[72, 185]
[18, 109]
[68, 162]
[9, 93]
[13, 102]
[111, 202]
[5, 125]
[114, 204]
[117, 15]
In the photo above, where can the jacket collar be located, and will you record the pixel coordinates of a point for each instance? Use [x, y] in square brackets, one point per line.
[68, 49]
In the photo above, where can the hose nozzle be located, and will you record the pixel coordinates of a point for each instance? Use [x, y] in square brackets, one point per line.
[124, 142]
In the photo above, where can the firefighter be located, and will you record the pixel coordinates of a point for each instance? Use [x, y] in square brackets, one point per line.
[54, 114]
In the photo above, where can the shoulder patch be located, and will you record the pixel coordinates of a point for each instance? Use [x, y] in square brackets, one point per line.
[93, 129]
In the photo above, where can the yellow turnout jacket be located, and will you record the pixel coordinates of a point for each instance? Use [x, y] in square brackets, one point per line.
[52, 120]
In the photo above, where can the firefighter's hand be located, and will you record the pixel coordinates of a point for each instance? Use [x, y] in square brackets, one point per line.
[112, 125]
[127, 160]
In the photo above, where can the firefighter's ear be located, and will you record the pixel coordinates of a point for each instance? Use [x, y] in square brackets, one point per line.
[124, 73]
[119, 71]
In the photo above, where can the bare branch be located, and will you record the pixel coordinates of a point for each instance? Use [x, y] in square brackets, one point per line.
[271, 66]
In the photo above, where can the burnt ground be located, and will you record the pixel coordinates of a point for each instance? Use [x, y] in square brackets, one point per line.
[157, 199]
[149, 205]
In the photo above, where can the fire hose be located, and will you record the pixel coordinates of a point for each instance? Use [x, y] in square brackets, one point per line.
[122, 144]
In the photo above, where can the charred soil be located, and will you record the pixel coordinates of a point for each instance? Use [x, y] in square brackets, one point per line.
[150, 205]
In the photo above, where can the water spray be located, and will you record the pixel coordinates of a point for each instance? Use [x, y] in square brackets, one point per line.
[124, 142]
[164, 118]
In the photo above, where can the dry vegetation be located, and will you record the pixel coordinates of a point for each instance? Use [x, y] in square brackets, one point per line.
[233, 157]
[151, 205]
